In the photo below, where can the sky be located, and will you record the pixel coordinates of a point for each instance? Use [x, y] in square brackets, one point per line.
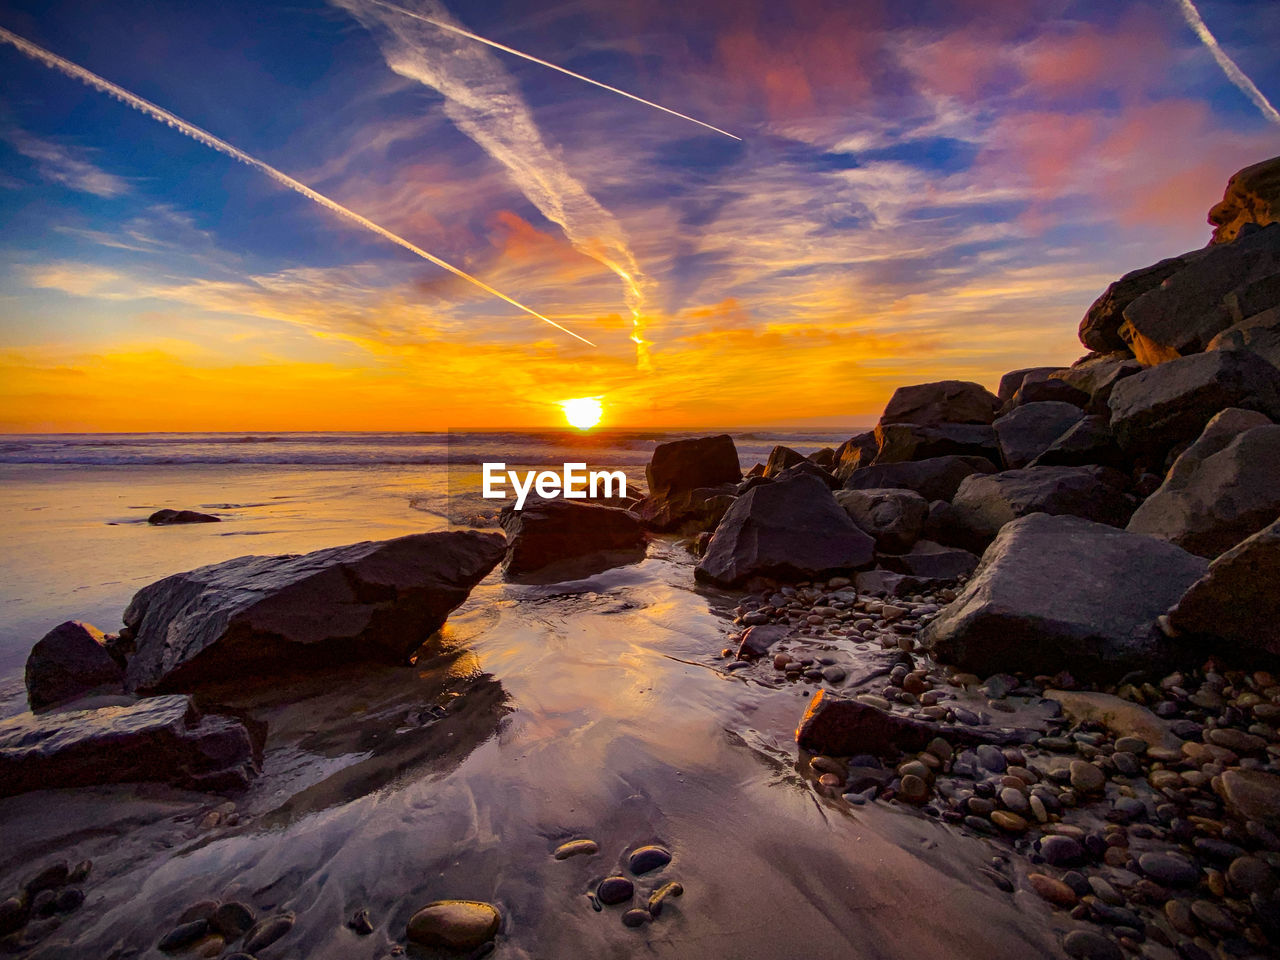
[923, 190]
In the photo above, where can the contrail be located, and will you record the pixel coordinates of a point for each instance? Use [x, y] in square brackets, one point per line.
[148, 108]
[1233, 72]
[453, 28]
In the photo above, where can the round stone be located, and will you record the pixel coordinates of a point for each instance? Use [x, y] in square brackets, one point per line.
[991, 758]
[576, 848]
[1061, 851]
[267, 931]
[1134, 745]
[1179, 914]
[1213, 916]
[1252, 875]
[1087, 778]
[914, 789]
[1009, 822]
[1055, 891]
[635, 917]
[649, 858]
[1088, 945]
[1168, 870]
[455, 924]
[1015, 800]
[939, 748]
[183, 935]
[614, 890]
[232, 919]
[1038, 809]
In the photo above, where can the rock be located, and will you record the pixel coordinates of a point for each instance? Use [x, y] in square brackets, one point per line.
[1097, 375]
[1046, 391]
[1249, 874]
[668, 891]
[1061, 592]
[1055, 891]
[647, 859]
[269, 615]
[636, 917]
[883, 583]
[455, 924]
[929, 562]
[946, 401]
[1099, 330]
[69, 662]
[913, 789]
[268, 930]
[687, 511]
[1089, 945]
[839, 727]
[614, 890]
[1222, 489]
[13, 916]
[893, 517]
[1169, 870]
[232, 919]
[1189, 308]
[934, 479]
[1252, 196]
[1164, 406]
[576, 848]
[855, 453]
[162, 739]
[688, 464]
[807, 468]
[1014, 380]
[49, 877]
[984, 503]
[1089, 441]
[788, 529]
[1060, 851]
[182, 936]
[1237, 600]
[167, 517]
[757, 640]
[1086, 777]
[1124, 718]
[780, 458]
[565, 539]
[1259, 333]
[901, 442]
[1251, 795]
[825, 458]
[361, 923]
[1031, 429]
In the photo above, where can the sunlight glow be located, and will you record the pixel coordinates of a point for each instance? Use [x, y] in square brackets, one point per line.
[584, 412]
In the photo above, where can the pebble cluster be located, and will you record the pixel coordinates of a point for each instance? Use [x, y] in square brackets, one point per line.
[36, 910]
[206, 928]
[1165, 849]
[619, 889]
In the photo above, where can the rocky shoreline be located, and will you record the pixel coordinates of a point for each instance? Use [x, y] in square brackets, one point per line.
[1047, 617]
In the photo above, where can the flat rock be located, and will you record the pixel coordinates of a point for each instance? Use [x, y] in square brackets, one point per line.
[689, 464]
[1223, 488]
[789, 529]
[565, 539]
[1237, 599]
[163, 739]
[945, 401]
[893, 517]
[1252, 795]
[1029, 430]
[928, 562]
[934, 479]
[1062, 592]
[455, 924]
[1124, 718]
[839, 727]
[69, 662]
[256, 616]
[163, 518]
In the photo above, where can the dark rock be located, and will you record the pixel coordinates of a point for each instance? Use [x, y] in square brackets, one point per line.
[1032, 428]
[68, 899]
[689, 464]
[69, 662]
[1059, 851]
[265, 615]
[232, 919]
[1013, 381]
[1259, 333]
[946, 401]
[944, 526]
[855, 453]
[1091, 945]
[157, 738]
[1170, 404]
[984, 503]
[902, 442]
[932, 562]
[13, 916]
[647, 859]
[563, 539]
[268, 930]
[1252, 197]
[885, 583]
[636, 917]
[1062, 592]
[780, 458]
[1252, 795]
[788, 529]
[1048, 391]
[933, 479]
[806, 468]
[49, 877]
[1237, 599]
[1099, 330]
[615, 890]
[168, 517]
[839, 727]
[183, 936]
[1090, 441]
[825, 458]
[1169, 870]
[1222, 489]
[687, 511]
[758, 639]
[893, 517]
[361, 923]
[1097, 375]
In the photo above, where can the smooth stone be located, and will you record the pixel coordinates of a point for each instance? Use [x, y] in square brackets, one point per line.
[914, 789]
[576, 848]
[615, 890]
[1106, 892]
[1015, 801]
[1061, 851]
[361, 923]
[68, 899]
[267, 931]
[232, 919]
[1178, 913]
[1169, 870]
[1213, 916]
[1055, 891]
[1009, 822]
[13, 915]
[1088, 945]
[455, 924]
[635, 917]
[183, 935]
[1086, 777]
[991, 758]
[663, 893]
[649, 858]
[1252, 875]
[200, 910]
[1134, 745]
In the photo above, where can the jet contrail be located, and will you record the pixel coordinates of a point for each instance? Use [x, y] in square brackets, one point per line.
[453, 28]
[1233, 72]
[148, 108]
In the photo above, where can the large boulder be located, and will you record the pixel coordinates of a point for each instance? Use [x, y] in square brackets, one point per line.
[1099, 330]
[1064, 593]
[1165, 406]
[163, 739]
[1259, 333]
[1185, 312]
[807, 468]
[562, 539]
[984, 503]
[932, 562]
[946, 401]
[688, 464]
[256, 617]
[789, 529]
[1223, 488]
[934, 479]
[1252, 196]
[1238, 599]
[69, 662]
[1048, 389]
[1030, 429]
[1014, 380]
[1097, 375]
[1090, 441]
[686, 511]
[780, 458]
[902, 442]
[893, 517]
[854, 454]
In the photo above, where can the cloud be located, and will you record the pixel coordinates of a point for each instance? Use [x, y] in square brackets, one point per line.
[65, 165]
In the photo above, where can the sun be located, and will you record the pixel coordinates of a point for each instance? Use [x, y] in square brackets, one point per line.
[584, 412]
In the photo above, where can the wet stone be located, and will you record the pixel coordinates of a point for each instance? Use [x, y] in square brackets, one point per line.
[80, 872]
[615, 890]
[267, 931]
[991, 758]
[1086, 777]
[1168, 870]
[183, 935]
[661, 895]
[1055, 891]
[42, 905]
[1252, 875]
[200, 910]
[361, 923]
[455, 924]
[1088, 945]
[635, 917]
[1061, 851]
[914, 789]
[50, 877]
[1213, 916]
[68, 899]
[1178, 913]
[13, 915]
[646, 859]
[576, 848]
[1131, 745]
[232, 919]
[1009, 822]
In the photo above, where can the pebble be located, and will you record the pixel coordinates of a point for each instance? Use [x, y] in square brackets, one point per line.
[1038, 809]
[575, 848]
[454, 924]
[12, 916]
[635, 917]
[1179, 914]
[361, 923]
[615, 890]
[232, 919]
[1015, 800]
[267, 931]
[1055, 891]
[80, 872]
[1134, 745]
[833, 674]
[68, 899]
[939, 748]
[1213, 916]
[1169, 870]
[1061, 851]
[1086, 777]
[914, 789]
[1252, 875]
[991, 758]
[183, 935]
[649, 858]
[667, 890]
[1105, 892]
[1237, 741]
[1009, 822]
[871, 700]
[200, 910]
[1088, 945]
[43, 903]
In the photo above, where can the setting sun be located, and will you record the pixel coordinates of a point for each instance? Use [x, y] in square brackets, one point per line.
[584, 412]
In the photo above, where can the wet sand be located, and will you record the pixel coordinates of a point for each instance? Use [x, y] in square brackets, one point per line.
[560, 712]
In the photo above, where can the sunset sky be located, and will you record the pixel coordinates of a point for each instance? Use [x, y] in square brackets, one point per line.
[924, 190]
